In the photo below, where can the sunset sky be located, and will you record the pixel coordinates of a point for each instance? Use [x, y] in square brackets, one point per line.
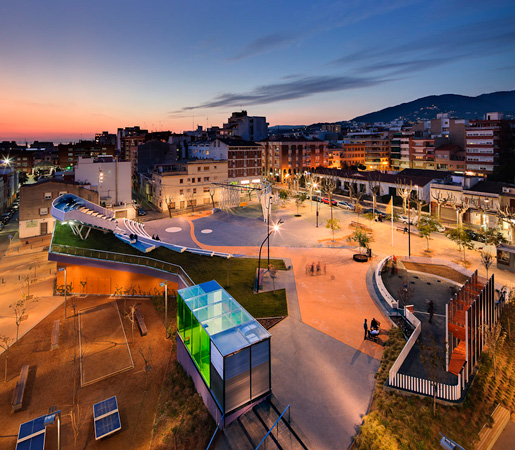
[71, 69]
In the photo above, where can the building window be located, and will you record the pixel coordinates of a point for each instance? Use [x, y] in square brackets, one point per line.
[181, 192]
[206, 178]
[199, 169]
[194, 190]
[198, 179]
[48, 196]
[206, 189]
[206, 168]
[181, 181]
[43, 211]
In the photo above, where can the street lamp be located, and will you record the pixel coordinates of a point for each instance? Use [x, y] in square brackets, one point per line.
[315, 185]
[65, 288]
[268, 206]
[165, 284]
[275, 228]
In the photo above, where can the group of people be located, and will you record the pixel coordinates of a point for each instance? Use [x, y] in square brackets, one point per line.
[312, 269]
[133, 237]
[156, 237]
[373, 331]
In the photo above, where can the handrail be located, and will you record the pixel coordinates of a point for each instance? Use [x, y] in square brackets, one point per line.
[123, 258]
[275, 423]
[216, 430]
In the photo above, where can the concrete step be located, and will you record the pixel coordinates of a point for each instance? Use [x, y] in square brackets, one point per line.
[489, 436]
[234, 437]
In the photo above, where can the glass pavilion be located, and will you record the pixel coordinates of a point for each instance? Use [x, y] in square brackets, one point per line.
[229, 348]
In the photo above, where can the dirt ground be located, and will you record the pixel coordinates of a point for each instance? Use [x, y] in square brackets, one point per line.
[103, 343]
[434, 269]
[54, 379]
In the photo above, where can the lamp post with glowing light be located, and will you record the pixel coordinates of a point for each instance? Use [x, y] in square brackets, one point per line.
[315, 185]
[275, 228]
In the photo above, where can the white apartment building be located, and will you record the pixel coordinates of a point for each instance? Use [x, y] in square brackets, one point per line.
[112, 179]
[185, 184]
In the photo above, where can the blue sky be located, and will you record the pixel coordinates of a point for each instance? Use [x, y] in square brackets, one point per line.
[71, 69]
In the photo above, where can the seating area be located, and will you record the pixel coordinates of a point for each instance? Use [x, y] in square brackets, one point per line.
[19, 390]
[141, 322]
[136, 228]
[93, 213]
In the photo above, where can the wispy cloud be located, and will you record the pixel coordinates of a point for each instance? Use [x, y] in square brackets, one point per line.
[324, 16]
[266, 44]
[277, 92]
[471, 41]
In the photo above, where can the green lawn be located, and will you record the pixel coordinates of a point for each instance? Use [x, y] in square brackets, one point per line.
[199, 268]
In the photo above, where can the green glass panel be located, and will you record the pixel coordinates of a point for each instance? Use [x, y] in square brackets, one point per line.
[205, 347]
[195, 340]
[187, 328]
[180, 316]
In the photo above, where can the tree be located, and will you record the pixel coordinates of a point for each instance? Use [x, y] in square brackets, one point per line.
[420, 202]
[192, 201]
[426, 226]
[5, 343]
[170, 204]
[405, 293]
[360, 237]
[300, 198]
[494, 339]
[77, 417]
[212, 192]
[507, 215]
[486, 260]
[461, 206]
[461, 238]
[374, 184]
[284, 194]
[433, 360]
[19, 308]
[492, 237]
[328, 187]
[333, 224]
[129, 315]
[440, 200]
[356, 195]
[404, 191]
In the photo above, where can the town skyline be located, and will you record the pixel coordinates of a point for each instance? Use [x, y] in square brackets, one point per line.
[169, 67]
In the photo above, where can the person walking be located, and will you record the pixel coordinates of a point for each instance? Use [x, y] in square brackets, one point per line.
[430, 310]
[365, 326]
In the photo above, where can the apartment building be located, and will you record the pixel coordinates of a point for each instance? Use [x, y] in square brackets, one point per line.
[487, 142]
[400, 151]
[353, 154]
[422, 153]
[69, 154]
[249, 128]
[377, 152]
[285, 156]
[184, 184]
[450, 157]
[243, 157]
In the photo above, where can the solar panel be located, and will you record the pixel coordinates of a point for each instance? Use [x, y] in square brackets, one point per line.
[106, 417]
[32, 435]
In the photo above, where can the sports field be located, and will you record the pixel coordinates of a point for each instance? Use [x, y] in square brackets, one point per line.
[103, 344]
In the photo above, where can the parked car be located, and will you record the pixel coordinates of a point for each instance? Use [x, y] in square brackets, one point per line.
[316, 198]
[141, 212]
[326, 201]
[345, 205]
[473, 235]
[404, 219]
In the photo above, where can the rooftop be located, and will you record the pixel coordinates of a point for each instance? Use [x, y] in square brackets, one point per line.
[226, 322]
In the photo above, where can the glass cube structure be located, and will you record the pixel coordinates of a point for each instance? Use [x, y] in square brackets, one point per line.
[229, 348]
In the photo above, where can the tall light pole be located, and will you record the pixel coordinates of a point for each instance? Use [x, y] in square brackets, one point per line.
[65, 288]
[276, 228]
[315, 186]
[165, 284]
[269, 205]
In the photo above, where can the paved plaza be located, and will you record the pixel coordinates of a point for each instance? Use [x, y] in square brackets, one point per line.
[321, 365]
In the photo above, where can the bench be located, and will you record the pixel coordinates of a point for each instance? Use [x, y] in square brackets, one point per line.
[141, 322]
[54, 340]
[19, 390]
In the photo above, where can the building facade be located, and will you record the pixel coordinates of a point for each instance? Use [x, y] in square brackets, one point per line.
[185, 184]
[243, 157]
[286, 156]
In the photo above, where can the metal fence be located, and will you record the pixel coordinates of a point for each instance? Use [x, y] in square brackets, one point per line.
[102, 255]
